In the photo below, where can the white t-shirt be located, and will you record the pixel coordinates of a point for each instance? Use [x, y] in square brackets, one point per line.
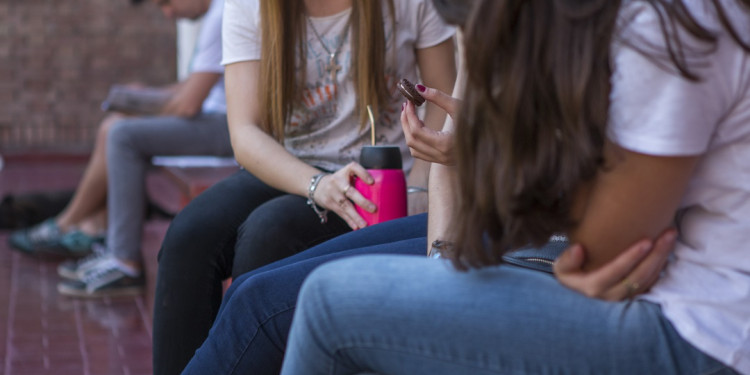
[207, 57]
[324, 130]
[705, 291]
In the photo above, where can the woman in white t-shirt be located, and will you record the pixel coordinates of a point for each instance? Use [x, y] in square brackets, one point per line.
[606, 120]
[299, 77]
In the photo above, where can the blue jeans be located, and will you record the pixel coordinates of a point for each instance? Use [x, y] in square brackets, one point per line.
[250, 332]
[407, 315]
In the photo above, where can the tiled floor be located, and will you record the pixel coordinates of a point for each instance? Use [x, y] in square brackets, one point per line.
[42, 332]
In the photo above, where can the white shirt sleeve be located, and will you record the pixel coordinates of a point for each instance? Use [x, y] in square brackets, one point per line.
[241, 31]
[654, 110]
[432, 29]
[208, 49]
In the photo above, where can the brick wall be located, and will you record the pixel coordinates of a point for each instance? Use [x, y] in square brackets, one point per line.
[58, 59]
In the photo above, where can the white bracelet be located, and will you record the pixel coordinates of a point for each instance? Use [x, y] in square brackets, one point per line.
[321, 212]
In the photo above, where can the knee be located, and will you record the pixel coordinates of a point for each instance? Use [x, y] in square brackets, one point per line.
[271, 222]
[186, 241]
[119, 133]
[316, 300]
[260, 295]
[325, 280]
[104, 128]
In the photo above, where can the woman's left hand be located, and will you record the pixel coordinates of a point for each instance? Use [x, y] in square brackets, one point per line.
[632, 272]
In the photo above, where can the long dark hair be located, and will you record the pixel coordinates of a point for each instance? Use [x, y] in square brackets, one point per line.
[533, 126]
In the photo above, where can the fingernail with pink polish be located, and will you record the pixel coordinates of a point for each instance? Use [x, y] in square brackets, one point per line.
[421, 88]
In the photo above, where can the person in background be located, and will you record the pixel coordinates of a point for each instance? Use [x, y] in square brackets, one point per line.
[645, 125]
[111, 196]
[300, 75]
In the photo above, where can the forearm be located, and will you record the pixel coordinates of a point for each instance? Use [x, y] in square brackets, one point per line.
[442, 203]
[438, 69]
[443, 179]
[635, 196]
[187, 99]
[420, 171]
[442, 186]
[268, 160]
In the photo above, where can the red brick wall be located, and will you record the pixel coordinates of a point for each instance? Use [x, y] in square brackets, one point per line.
[58, 59]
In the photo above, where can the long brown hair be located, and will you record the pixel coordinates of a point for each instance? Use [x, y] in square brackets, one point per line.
[533, 126]
[283, 61]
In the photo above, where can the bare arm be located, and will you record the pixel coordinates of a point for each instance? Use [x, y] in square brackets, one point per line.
[255, 150]
[442, 198]
[437, 68]
[634, 198]
[189, 95]
[268, 160]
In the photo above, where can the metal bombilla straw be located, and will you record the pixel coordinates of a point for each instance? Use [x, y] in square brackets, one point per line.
[372, 125]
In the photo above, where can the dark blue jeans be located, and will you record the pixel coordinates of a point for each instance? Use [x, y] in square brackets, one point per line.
[249, 335]
[234, 227]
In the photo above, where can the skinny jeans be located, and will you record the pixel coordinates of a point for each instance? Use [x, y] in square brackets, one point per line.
[390, 314]
[234, 227]
[249, 335]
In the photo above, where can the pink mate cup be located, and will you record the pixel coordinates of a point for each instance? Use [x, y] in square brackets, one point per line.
[388, 192]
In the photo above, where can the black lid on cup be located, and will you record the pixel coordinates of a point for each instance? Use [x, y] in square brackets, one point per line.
[380, 157]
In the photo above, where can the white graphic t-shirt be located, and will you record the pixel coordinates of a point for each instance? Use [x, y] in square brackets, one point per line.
[324, 129]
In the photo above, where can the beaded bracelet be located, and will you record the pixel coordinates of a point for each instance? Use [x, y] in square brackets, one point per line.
[321, 212]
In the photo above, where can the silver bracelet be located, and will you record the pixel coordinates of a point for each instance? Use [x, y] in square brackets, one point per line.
[321, 212]
[415, 189]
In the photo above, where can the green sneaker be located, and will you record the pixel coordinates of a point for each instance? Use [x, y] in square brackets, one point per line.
[77, 242]
[47, 238]
[41, 238]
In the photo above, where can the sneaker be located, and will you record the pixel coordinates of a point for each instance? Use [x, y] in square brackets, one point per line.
[77, 242]
[41, 238]
[76, 269]
[106, 278]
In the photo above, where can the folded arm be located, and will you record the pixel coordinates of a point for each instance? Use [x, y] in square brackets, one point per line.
[634, 197]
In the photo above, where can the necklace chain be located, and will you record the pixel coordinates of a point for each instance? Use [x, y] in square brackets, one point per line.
[332, 67]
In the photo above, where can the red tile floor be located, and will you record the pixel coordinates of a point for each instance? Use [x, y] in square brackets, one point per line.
[42, 332]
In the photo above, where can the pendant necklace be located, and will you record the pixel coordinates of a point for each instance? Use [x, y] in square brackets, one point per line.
[333, 67]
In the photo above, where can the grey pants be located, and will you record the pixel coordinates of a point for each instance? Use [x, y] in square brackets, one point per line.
[131, 144]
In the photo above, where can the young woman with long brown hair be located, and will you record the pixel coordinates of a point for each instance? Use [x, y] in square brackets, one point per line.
[605, 120]
[299, 76]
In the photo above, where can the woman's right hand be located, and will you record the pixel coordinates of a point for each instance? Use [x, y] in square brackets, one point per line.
[336, 193]
[425, 143]
[631, 273]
